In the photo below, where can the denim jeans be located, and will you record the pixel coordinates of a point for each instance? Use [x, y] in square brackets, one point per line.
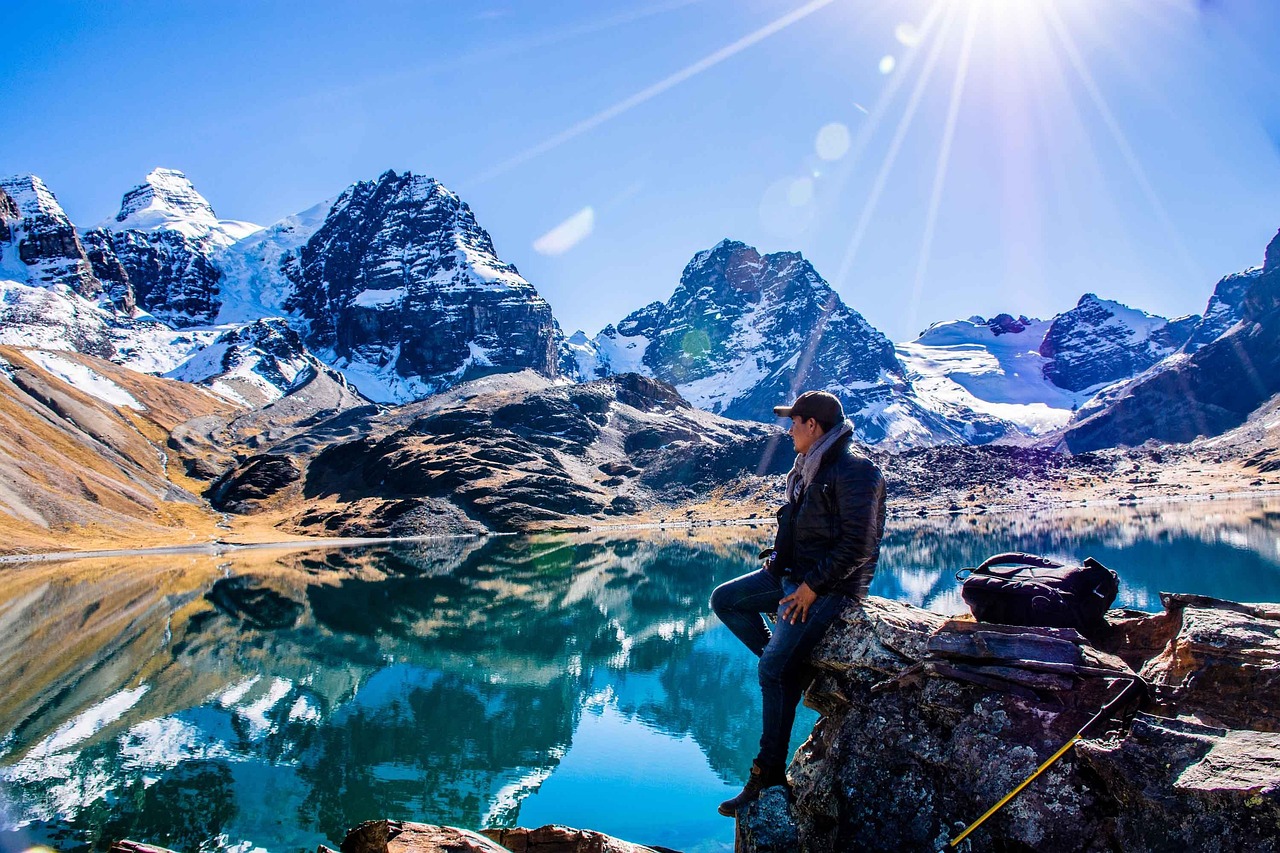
[783, 651]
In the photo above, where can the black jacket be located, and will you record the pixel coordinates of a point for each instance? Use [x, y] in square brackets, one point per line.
[830, 537]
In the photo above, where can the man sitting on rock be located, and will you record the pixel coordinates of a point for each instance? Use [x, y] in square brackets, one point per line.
[823, 557]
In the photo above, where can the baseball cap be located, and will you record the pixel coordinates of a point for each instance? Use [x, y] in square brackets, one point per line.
[820, 405]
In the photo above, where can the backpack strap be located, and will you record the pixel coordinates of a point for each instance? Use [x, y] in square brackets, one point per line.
[1017, 558]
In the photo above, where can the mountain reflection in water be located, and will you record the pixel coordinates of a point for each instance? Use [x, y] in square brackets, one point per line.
[275, 699]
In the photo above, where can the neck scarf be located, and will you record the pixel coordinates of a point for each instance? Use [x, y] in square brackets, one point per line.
[802, 473]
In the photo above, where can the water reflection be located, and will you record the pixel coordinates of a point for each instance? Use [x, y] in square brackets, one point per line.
[277, 699]
[283, 699]
[1228, 549]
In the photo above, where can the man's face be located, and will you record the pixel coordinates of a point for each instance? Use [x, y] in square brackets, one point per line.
[804, 432]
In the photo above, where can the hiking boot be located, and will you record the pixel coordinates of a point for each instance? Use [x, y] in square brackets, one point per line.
[758, 781]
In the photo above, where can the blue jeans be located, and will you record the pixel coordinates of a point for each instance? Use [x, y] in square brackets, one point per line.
[783, 651]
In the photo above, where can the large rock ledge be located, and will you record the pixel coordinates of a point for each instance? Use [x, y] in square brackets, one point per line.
[399, 836]
[927, 722]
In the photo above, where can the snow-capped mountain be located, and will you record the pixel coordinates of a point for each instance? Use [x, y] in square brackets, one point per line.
[1210, 386]
[744, 332]
[1099, 342]
[402, 291]
[393, 283]
[992, 367]
[167, 201]
[59, 292]
[158, 251]
[42, 243]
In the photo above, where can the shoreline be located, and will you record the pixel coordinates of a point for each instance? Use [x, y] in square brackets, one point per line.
[218, 547]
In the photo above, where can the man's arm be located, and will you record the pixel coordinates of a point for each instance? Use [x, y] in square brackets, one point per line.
[859, 498]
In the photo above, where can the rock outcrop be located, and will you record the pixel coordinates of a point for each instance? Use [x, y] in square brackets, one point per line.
[256, 363]
[402, 836]
[48, 250]
[928, 722]
[503, 453]
[1223, 310]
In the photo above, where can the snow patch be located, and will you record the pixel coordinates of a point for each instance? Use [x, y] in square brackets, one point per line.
[254, 283]
[379, 298]
[962, 365]
[84, 379]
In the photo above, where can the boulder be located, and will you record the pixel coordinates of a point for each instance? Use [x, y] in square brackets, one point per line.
[561, 839]
[927, 722]
[394, 836]
[1223, 664]
[1180, 785]
[398, 836]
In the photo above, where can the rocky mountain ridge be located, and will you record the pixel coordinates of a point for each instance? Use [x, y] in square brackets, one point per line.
[743, 331]
[400, 284]
[1202, 392]
[395, 286]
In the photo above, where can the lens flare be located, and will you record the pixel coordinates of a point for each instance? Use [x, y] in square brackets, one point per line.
[833, 141]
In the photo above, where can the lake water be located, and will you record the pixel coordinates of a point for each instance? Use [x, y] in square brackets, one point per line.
[270, 700]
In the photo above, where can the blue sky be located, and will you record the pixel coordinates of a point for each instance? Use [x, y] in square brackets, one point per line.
[1011, 156]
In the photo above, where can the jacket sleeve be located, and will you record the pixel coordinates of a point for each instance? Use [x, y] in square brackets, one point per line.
[783, 541]
[859, 498]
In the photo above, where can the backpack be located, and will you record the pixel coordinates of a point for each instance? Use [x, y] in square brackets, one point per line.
[1023, 589]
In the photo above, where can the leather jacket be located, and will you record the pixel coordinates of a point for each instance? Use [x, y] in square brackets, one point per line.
[830, 537]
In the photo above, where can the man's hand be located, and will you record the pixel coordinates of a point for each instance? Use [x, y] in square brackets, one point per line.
[797, 604]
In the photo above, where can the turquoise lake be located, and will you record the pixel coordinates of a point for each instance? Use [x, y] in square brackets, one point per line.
[269, 699]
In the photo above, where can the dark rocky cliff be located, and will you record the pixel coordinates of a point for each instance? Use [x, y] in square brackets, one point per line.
[1100, 341]
[401, 279]
[1210, 391]
[46, 241]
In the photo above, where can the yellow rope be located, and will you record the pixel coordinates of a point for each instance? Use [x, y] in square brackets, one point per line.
[1009, 796]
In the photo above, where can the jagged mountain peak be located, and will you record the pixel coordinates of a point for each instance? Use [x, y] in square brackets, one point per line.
[1272, 257]
[166, 200]
[32, 197]
[743, 332]
[403, 290]
[1102, 341]
[404, 186]
[168, 191]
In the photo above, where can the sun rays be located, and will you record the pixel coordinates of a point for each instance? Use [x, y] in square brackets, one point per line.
[940, 171]
[650, 92]
[1049, 120]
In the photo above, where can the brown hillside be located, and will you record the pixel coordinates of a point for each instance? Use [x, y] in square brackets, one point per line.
[75, 469]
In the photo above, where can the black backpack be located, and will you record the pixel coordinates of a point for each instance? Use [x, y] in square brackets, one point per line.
[1023, 589]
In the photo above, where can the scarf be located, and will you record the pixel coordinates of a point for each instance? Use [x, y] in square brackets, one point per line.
[802, 473]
